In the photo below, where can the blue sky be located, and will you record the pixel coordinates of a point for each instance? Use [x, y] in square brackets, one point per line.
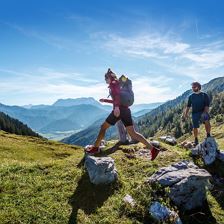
[51, 49]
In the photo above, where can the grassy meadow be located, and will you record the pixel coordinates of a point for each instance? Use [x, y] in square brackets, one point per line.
[45, 181]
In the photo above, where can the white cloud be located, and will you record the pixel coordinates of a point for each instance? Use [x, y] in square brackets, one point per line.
[153, 89]
[46, 86]
[210, 59]
[144, 45]
[168, 51]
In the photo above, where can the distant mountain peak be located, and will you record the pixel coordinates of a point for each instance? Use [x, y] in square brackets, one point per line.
[27, 106]
[77, 101]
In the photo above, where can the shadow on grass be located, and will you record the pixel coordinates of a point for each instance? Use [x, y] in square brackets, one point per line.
[216, 169]
[88, 197]
[110, 150]
[217, 172]
[201, 215]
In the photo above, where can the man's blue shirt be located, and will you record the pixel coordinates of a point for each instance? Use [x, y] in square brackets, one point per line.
[198, 102]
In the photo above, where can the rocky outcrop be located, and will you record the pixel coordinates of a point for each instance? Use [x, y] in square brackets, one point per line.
[187, 182]
[169, 140]
[207, 149]
[101, 170]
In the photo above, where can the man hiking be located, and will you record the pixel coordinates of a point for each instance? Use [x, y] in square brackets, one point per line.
[120, 112]
[199, 101]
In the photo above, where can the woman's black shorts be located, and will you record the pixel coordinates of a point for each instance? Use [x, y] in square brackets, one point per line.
[125, 117]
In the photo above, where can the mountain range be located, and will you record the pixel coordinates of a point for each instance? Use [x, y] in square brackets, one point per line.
[65, 116]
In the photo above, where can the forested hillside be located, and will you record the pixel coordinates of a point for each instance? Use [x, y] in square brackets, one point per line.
[170, 121]
[14, 126]
[167, 117]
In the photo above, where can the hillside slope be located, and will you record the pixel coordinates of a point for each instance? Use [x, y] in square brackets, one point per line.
[45, 182]
[167, 117]
[14, 126]
[89, 135]
[215, 86]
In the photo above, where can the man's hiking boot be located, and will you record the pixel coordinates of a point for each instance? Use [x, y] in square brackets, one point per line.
[196, 142]
[91, 150]
[154, 153]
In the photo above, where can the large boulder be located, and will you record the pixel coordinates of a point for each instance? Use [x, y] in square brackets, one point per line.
[187, 182]
[207, 149]
[101, 170]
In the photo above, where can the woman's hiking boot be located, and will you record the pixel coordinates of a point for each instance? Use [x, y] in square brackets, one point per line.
[91, 149]
[154, 153]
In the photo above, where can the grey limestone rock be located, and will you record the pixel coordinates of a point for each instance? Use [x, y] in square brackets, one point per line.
[187, 182]
[101, 170]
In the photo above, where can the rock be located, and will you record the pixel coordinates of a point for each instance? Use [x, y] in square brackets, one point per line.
[101, 170]
[207, 149]
[163, 138]
[155, 143]
[187, 183]
[220, 155]
[145, 153]
[128, 199]
[195, 152]
[182, 144]
[163, 214]
[187, 144]
[169, 140]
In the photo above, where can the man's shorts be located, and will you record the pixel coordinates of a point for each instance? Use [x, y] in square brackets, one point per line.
[125, 117]
[198, 118]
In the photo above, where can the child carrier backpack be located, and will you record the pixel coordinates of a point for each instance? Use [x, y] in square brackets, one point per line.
[126, 92]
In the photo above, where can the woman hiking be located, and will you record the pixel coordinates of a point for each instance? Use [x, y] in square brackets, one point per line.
[119, 112]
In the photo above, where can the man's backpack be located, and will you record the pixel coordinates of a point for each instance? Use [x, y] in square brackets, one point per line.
[126, 92]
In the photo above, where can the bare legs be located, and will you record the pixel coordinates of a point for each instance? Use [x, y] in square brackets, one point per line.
[101, 134]
[137, 136]
[131, 131]
[195, 131]
[208, 128]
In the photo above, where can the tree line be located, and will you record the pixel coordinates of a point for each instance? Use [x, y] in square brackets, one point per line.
[170, 122]
[15, 126]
